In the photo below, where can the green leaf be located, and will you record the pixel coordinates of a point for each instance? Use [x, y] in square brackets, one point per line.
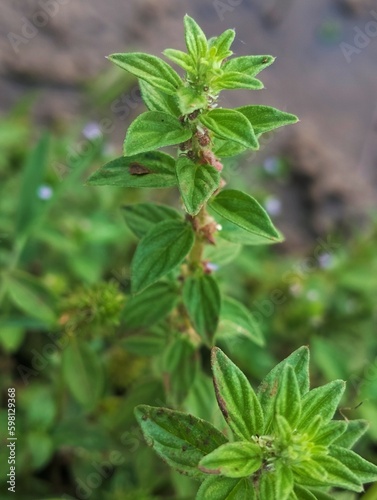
[235, 319]
[30, 297]
[158, 101]
[182, 440]
[288, 398]
[232, 80]
[11, 337]
[220, 46]
[152, 130]
[196, 41]
[330, 432]
[150, 68]
[181, 59]
[32, 178]
[150, 306]
[365, 471]
[277, 485]
[321, 401]
[225, 488]
[337, 474]
[239, 459]
[201, 297]
[231, 125]
[265, 118]
[235, 234]
[142, 217]
[162, 249]
[318, 495]
[190, 100]
[248, 65]
[355, 429]
[304, 494]
[180, 367]
[151, 343]
[196, 182]
[245, 212]
[299, 360]
[82, 372]
[225, 149]
[236, 398]
[146, 170]
[222, 252]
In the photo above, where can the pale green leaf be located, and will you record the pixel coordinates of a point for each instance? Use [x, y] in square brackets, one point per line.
[248, 65]
[196, 41]
[232, 80]
[365, 471]
[181, 59]
[239, 459]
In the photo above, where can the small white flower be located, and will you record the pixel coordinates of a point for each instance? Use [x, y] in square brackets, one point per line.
[273, 205]
[92, 131]
[44, 192]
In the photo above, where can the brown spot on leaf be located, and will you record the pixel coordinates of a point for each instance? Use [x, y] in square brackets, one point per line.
[220, 400]
[138, 169]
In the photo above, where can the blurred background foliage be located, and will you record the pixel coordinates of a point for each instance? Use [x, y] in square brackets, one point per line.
[78, 359]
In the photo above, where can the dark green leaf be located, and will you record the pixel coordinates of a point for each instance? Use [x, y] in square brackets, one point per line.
[288, 398]
[365, 471]
[232, 80]
[30, 297]
[180, 368]
[162, 249]
[152, 130]
[32, 179]
[150, 306]
[182, 440]
[248, 65]
[265, 118]
[151, 343]
[226, 488]
[196, 41]
[239, 459]
[245, 212]
[158, 101]
[355, 429]
[153, 169]
[236, 398]
[201, 297]
[321, 401]
[150, 68]
[235, 319]
[82, 373]
[231, 125]
[142, 217]
[299, 360]
[196, 183]
[303, 493]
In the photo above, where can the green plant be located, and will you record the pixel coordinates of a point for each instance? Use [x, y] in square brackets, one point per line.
[283, 442]
[171, 270]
